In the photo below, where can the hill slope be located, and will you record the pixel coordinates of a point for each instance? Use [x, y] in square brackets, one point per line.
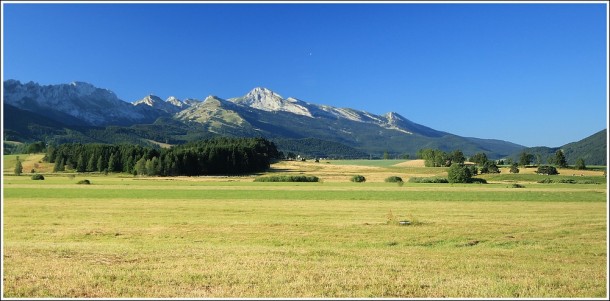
[592, 149]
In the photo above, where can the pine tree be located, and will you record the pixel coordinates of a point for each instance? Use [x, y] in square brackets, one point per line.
[525, 159]
[580, 164]
[140, 167]
[560, 159]
[80, 164]
[112, 163]
[91, 163]
[18, 167]
[100, 163]
[59, 164]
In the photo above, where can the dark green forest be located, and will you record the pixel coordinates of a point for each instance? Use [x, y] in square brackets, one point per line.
[215, 156]
[317, 148]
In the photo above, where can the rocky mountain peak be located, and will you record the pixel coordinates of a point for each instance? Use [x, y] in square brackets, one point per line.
[149, 100]
[262, 93]
[211, 98]
[175, 101]
[264, 99]
[393, 117]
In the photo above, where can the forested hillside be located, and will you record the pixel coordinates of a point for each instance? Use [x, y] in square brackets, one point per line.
[316, 148]
[593, 150]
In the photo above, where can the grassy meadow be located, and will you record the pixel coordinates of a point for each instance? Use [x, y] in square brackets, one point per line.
[214, 237]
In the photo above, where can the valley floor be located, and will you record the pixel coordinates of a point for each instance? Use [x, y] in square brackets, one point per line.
[125, 236]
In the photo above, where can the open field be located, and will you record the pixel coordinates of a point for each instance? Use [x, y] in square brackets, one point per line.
[231, 237]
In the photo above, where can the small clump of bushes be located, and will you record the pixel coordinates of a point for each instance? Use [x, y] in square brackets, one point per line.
[566, 181]
[358, 179]
[300, 178]
[477, 181]
[37, 177]
[516, 185]
[438, 180]
[433, 180]
[85, 182]
[393, 179]
[547, 170]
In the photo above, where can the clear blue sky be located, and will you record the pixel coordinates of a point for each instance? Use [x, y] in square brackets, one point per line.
[533, 74]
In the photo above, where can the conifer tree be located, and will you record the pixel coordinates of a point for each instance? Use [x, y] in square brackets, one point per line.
[91, 164]
[18, 167]
[560, 159]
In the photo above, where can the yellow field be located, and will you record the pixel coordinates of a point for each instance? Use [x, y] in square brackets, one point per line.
[230, 237]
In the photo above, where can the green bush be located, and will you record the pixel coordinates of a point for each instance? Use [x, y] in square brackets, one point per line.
[517, 186]
[393, 179]
[547, 170]
[287, 179]
[546, 181]
[566, 181]
[477, 181]
[37, 177]
[86, 182]
[458, 173]
[433, 180]
[473, 170]
[358, 179]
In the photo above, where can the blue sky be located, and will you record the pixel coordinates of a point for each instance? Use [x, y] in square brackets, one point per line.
[532, 74]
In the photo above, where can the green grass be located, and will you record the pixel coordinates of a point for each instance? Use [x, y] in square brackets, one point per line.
[8, 164]
[536, 178]
[131, 237]
[231, 237]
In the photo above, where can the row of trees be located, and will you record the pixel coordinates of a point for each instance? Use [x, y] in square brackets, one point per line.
[558, 160]
[439, 158]
[207, 157]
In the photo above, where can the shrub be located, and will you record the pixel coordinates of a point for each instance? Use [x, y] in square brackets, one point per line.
[490, 167]
[37, 177]
[514, 168]
[83, 182]
[358, 179]
[300, 178]
[393, 179]
[567, 181]
[458, 173]
[547, 170]
[477, 181]
[433, 180]
[473, 170]
[546, 181]
[517, 186]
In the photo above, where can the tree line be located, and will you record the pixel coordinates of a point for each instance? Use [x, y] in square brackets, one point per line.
[207, 157]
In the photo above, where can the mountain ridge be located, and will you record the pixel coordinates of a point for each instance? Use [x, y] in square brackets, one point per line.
[260, 112]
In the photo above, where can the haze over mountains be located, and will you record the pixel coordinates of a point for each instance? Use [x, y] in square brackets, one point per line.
[82, 112]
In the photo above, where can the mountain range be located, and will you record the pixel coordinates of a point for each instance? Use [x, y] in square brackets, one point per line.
[81, 112]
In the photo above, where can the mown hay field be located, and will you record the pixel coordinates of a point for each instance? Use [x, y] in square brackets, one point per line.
[124, 236]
